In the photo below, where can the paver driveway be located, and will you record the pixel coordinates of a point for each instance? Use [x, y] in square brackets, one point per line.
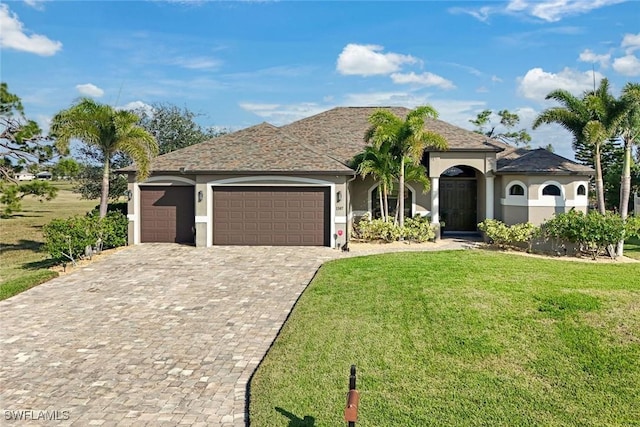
[151, 335]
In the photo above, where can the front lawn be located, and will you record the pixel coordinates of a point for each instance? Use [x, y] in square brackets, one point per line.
[632, 248]
[24, 264]
[463, 338]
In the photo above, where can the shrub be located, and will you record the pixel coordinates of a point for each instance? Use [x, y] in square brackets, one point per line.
[594, 233]
[503, 235]
[121, 207]
[416, 229]
[67, 239]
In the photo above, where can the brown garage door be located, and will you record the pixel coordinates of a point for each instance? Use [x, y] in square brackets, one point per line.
[167, 214]
[278, 216]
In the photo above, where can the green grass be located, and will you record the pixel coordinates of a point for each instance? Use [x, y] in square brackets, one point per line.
[23, 263]
[466, 338]
[632, 248]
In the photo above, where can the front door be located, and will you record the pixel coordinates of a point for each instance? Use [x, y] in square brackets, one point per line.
[458, 204]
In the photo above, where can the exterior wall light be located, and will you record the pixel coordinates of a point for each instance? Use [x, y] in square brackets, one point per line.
[339, 196]
[200, 195]
[127, 194]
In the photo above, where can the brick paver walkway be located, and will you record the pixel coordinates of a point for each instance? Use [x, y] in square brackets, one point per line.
[151, 335]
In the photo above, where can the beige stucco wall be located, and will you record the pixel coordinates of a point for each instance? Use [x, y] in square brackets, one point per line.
[441, 161]
[533, 206]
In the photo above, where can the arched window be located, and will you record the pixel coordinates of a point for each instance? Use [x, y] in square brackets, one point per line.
[516, 190]
[393, 201]
[582, 190]
[551, 190]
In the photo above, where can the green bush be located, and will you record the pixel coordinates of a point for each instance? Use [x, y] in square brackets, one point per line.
[67, 239]
[594, 233]
[121, 207]
[416, 229]
[503, 235]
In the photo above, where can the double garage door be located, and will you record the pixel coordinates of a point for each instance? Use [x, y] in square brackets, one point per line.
[277, 216]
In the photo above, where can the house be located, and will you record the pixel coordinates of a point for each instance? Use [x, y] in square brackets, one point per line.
[24, 176]
[292, 185]
[44, 175]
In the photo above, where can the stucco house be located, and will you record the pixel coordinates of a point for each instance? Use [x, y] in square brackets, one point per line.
[293, 185]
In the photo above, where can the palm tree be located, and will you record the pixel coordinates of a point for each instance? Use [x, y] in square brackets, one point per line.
[110, 131]
[592, 120]
[378, 163]
[630, 134]
[407, 140]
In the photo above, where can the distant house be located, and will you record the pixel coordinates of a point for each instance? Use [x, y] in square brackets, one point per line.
[295, 185]
[44, 175]
[25, 176]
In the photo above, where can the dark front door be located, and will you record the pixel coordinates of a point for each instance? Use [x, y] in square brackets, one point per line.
[458, 204]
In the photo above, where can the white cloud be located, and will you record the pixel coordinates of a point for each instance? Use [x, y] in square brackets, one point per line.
[278, 114]
[496, 79]
[384, 99]
[546, 10]
[36, 4]
[588, 56]
[198, 63]
[13, 36]
[135, 106]
[631, 42]
[627, 65]
[368, 60]
[89, 89]
[537, 83]
[424, 79]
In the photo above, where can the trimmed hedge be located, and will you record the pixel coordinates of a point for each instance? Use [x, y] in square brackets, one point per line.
[416, 229]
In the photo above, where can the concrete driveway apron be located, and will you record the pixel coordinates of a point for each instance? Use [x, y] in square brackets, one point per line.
[154, 334]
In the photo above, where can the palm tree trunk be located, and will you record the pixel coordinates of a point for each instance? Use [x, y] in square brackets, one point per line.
[599, 183]
[104, 196]
[380, 189]
[625, 188]
[401, 193]
[386, 204]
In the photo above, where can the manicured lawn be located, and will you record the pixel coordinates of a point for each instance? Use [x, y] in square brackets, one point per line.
[465, 338]
[632, 248]
[23, 264]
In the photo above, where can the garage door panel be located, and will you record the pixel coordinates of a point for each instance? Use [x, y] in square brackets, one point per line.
[167, 214]
[271, 216]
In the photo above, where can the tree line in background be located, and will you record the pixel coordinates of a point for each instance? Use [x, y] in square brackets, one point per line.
[111, 139]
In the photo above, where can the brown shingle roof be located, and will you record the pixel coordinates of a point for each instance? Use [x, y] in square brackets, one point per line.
[260, 148]
[539, 161]
[340, 131]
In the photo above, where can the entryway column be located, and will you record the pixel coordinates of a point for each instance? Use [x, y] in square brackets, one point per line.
[489, 197]
[435, 200]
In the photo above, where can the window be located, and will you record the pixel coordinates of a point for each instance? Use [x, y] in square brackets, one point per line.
[551, 190]
[516, 190]
[393, 201]
[582, 190]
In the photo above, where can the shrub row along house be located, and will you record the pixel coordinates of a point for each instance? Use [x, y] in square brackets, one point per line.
[295, 185]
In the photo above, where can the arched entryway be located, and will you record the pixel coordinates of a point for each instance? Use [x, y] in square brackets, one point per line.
[458, 189]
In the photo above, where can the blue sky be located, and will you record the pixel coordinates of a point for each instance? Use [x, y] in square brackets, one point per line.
[241, 63]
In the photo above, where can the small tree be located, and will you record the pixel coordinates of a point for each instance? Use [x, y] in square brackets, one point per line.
[508, 121]
[110, 131]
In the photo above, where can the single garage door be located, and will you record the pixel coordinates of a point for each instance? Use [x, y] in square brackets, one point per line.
[167, 214]
[277, 216]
